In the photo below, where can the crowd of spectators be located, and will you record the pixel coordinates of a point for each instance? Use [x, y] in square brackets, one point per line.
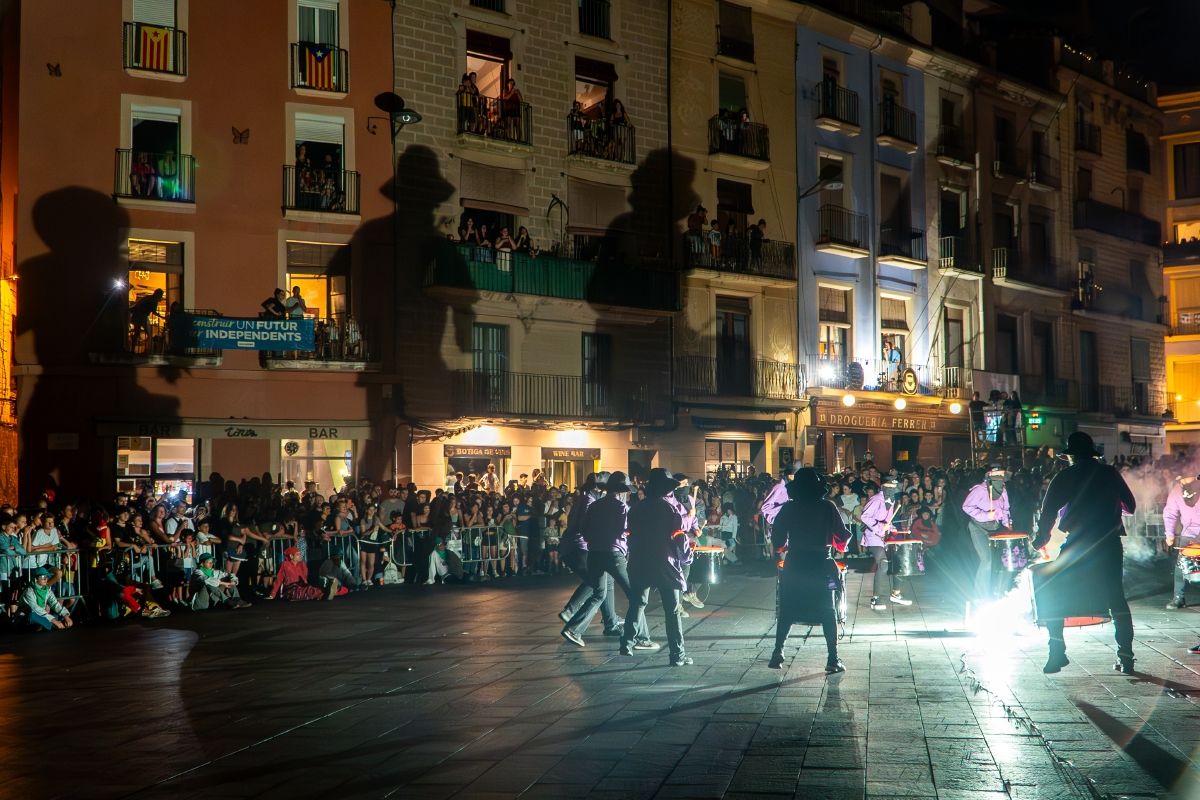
[233, 545]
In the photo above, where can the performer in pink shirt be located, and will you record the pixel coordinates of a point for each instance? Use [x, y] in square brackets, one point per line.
[1181, 523]
[987, 511]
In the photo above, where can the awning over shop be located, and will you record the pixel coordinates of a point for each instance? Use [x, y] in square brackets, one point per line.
[193, 428]
[739, 425]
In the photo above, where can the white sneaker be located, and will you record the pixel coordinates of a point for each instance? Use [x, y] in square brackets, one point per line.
[876, 605]
[899, 600]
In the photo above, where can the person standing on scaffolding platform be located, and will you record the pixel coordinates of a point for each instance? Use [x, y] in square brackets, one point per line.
[806, 527]
[1086, 500]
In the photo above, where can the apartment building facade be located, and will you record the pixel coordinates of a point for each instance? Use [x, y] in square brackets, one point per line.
[199, 189]
[1180, 157]
[547, 356]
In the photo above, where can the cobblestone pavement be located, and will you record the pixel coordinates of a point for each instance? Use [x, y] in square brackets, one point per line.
[469, 692]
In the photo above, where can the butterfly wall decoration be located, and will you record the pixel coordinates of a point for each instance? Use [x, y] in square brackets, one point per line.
[55, 70]
[241, 137]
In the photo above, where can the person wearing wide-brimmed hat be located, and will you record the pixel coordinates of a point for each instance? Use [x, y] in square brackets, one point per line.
[573, 550]
[807, 527]
[987, 509]
[606, 530]
[659, 549]
[1086, 500]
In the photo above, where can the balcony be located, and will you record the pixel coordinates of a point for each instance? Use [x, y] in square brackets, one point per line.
[529, 396]
[702, 376]
[1135, 400]
[155, 177]
[155, 48]
[1044, 174]
[595, 138]
[730, 136]
[464, 266]
[1050, 391]
[490, 5]
[952, 148]
[897, 127]
[902, 246]
[873, 12]
[319, 190]
[594, 18]
[341, 342]
[869, 374]
[736, 47]
[1087, 139]
[1006, 161]
[837, 108]
[491, 119]
[1114, 221]
[841, 232]
[1185, 252]
[1186, 323]
[954, 256]
[169, 342]
[743, 256]
[1045, 278]
[320, 67]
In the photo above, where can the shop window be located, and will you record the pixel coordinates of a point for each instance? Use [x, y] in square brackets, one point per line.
[730, 457]
[326, 463]
[167, 466]
[153, 267]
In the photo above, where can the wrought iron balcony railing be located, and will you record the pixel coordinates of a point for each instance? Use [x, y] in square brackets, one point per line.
[597, 138]
[743, 256]
[494, 118]
[952, 144]
[877, 374]
[704, 376]
[464, 266]
[320, 66]
[902, 242]
[169, 177]
[953, 253]
[728, 134]
[897, 122]
[1115, 221]
[1043, 169]
[155, 48]
[841, 227]
[483, 393]
[319, 189]
[341, 338]
[171, 337]
[837, 103]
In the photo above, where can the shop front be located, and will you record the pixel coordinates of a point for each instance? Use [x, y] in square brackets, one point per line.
[566, 456]
[840, 435]
[171, 457]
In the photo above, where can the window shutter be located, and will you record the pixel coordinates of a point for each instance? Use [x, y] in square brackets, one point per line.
[594, 206]
[493, 189]
[834, 305]
[1139, 359]
[315, 258]
[893, 313]
[155, 12]
[326, 130]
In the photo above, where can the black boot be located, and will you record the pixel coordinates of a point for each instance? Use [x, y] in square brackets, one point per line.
[1124, 663]
[834, 664]
[776, 661]
[1058, 657]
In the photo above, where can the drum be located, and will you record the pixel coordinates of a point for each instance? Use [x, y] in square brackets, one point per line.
[1010, 551]
[906, 557]
[1056, 594]
[706, 568]
[1189, 563]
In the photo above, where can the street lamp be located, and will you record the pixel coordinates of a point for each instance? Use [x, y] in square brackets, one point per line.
[830, 178]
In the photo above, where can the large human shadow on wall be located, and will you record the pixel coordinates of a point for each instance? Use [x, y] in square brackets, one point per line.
[416, 284]
[639, 264]
[72, 301]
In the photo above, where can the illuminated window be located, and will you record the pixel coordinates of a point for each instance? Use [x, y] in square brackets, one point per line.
[166, 465]
[153, 267]
[327, 463]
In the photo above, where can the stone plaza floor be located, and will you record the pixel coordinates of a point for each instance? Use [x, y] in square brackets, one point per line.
[469, 692]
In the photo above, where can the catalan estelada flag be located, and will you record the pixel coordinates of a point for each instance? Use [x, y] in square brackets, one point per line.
[154, 45]
[318, 66]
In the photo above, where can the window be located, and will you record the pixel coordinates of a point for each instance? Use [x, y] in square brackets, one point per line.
[733, 346]
[736, 37]
[893, 322]
[321, 272]
[1137, 151]
[1007, 358]
[1005, 142]
[594, 87]
[1139, 369]
[1187, 169]
[734, 207]
[893, 201]
[489, 58]
[893, 314]
[327, 463]
[954, 336]
[597, 370]
[492, 196]
[951, 111]
[1133, 196]
[318, 177]
[829, 196]
[593, 18]
[1083, 184]
[317, 22]
[155, 12]
[1043, 350]
[891, 87]
[1004, 224]
[834, 328]
[731, 93]
[831, 69]
[153, 40]
[156, 170]
[165, 465]
[489, 348]
[952, 212]
[153, 267]
[1041, 246]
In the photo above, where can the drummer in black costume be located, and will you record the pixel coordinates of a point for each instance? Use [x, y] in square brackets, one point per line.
[807, 526]
[1085, 579]
[573, 550]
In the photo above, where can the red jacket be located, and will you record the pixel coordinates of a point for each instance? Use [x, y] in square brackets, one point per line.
[927, 532]
[288, 574]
